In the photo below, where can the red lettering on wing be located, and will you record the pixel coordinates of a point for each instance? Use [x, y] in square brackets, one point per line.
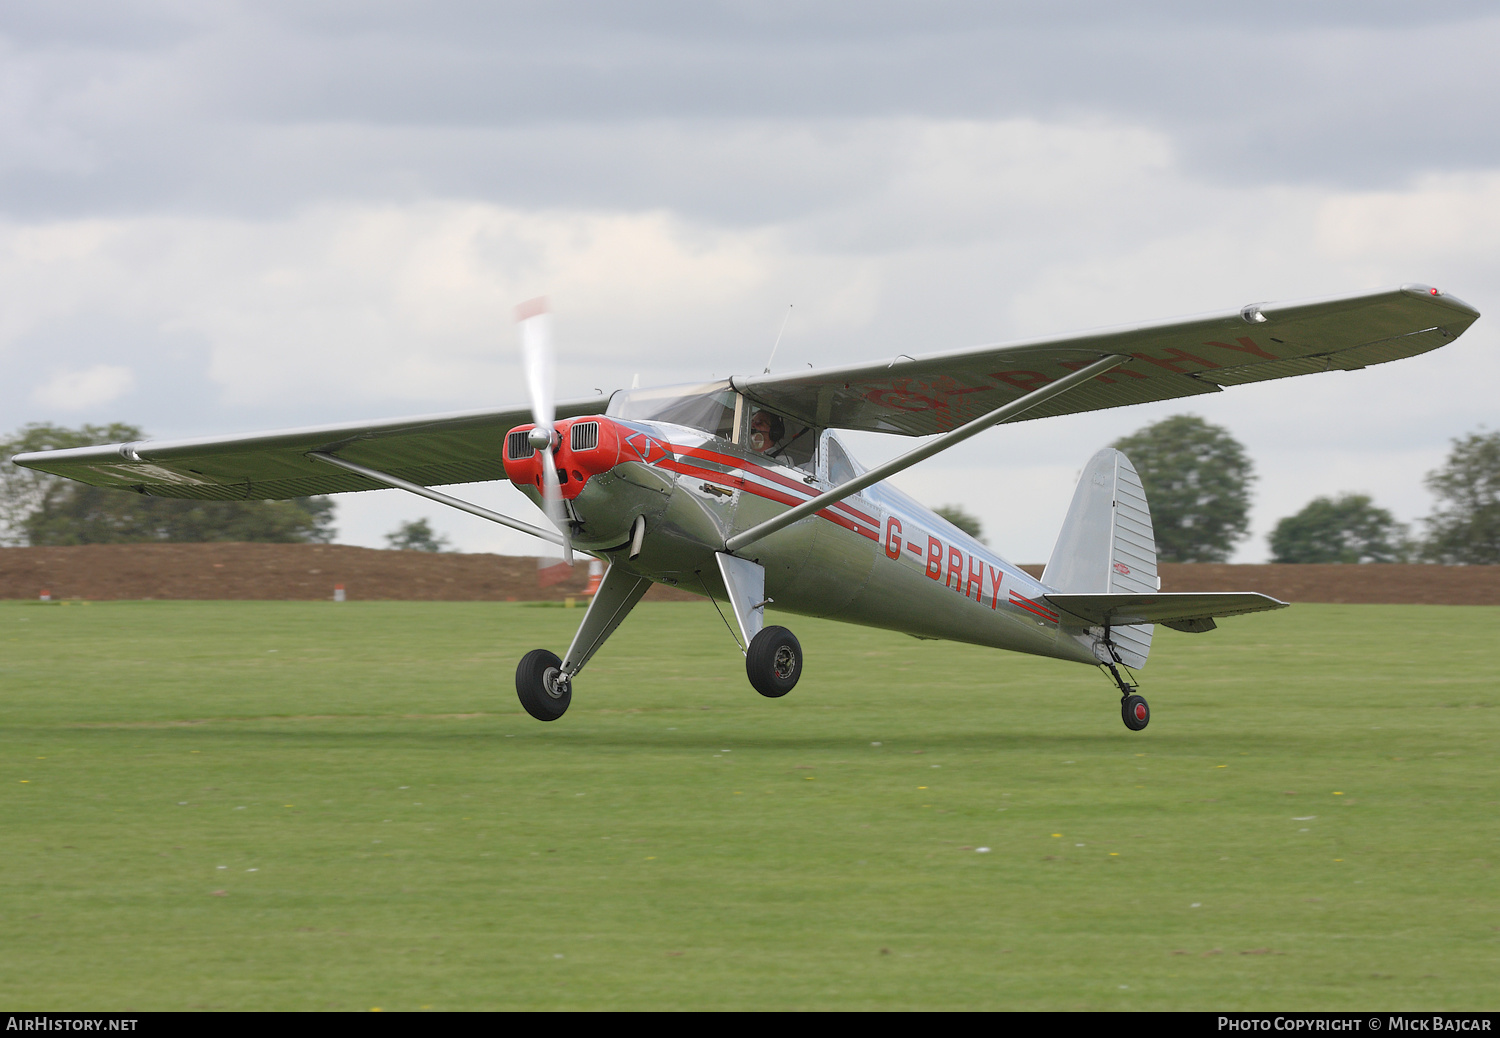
[996, 576]
[1246, 345]
[1022, 379]
[1179, 365]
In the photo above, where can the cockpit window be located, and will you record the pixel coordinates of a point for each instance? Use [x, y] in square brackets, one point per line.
[783, 440]
[707, 406]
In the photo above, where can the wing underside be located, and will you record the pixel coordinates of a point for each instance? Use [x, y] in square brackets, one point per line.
[912, 396]
[431, 450]
[919, 396]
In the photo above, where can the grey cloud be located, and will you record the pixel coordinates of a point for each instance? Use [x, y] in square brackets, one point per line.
[111, 108]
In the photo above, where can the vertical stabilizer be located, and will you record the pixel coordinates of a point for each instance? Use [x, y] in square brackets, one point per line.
[1106, 545]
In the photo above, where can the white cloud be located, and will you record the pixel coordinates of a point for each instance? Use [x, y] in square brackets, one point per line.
[948, 234]
[80, 391]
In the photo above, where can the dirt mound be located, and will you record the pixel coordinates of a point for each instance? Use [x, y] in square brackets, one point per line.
[311, 571]
[279, 571]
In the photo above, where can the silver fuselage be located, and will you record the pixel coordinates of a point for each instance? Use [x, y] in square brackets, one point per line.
[878, 558]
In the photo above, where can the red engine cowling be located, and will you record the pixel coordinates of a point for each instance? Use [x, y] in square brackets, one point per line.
[586, 447]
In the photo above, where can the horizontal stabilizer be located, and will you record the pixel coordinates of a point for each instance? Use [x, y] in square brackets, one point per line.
[1186, 611]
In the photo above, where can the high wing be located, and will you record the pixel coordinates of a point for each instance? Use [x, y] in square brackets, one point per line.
[936, 392]
[914, 396]
[431, 450]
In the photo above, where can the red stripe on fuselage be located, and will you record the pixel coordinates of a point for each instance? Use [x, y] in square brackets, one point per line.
[765, 473]
[731, 483]
[1032, 607]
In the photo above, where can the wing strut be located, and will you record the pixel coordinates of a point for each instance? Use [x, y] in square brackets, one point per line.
[442, 499]
[925, 451]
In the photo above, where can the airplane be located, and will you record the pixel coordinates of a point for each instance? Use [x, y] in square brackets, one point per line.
[741, 490]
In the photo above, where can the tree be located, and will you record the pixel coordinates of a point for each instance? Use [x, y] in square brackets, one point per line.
[1197, 479]
[1468, 529]
[969, 524]
[24, 491]
[1345, 529]
[41, 509]
[416, 535]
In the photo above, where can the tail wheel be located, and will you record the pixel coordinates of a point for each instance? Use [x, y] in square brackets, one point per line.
[544, 690]
[774, 662]
[1135, 713]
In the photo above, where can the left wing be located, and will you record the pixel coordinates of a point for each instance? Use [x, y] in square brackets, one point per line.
[431, 450]
[933, 393]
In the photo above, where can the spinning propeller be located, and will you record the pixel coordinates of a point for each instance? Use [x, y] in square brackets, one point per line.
[536, 357]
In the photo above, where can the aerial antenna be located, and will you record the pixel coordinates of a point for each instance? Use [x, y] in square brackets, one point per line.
[779, 334]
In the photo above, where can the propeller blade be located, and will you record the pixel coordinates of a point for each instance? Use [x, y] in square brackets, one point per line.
[553, 502]
[536, 358]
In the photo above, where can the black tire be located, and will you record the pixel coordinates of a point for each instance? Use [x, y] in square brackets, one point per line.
[774, 662]
[1135, 713]
[544, 696]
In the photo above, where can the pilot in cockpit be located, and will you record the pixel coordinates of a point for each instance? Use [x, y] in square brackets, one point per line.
[766, 431]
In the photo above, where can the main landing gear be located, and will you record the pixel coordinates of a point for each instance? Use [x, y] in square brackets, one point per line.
[544, 683]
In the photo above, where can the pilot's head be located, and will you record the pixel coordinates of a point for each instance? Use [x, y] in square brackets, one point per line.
[766, 431]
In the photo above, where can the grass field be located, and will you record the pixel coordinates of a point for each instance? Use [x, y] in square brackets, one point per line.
[260, 805]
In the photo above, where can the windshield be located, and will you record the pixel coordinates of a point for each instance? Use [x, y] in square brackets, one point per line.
[708, 406]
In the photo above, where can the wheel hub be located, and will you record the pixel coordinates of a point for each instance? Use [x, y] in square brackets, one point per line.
[785, 663]
[555, 683]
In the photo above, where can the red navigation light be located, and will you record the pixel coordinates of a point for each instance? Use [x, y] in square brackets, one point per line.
[1433, 291]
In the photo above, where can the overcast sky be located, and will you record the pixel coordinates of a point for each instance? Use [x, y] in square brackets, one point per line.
[219, 217]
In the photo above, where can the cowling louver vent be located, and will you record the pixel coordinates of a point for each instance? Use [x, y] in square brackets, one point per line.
[518, 445]
[585, 436]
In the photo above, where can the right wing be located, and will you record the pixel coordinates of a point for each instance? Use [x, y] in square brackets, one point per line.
[937, 392]
[432, 450]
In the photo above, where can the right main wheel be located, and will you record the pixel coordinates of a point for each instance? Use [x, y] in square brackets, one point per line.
[774, 662]
[544, 690]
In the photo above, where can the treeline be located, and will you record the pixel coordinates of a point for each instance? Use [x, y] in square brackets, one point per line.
[37, 508]
[1198, 478]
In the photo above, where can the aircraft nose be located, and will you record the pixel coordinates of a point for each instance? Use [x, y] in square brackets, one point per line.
[586, 446]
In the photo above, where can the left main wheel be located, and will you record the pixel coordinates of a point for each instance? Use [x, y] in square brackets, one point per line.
[544, 690]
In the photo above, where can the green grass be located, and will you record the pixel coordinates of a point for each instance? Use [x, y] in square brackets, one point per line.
[305, 805]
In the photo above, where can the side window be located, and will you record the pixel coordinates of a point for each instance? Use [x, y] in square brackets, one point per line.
[840, 468]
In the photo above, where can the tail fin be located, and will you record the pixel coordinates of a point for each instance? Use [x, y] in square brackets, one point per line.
[1106, 545]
